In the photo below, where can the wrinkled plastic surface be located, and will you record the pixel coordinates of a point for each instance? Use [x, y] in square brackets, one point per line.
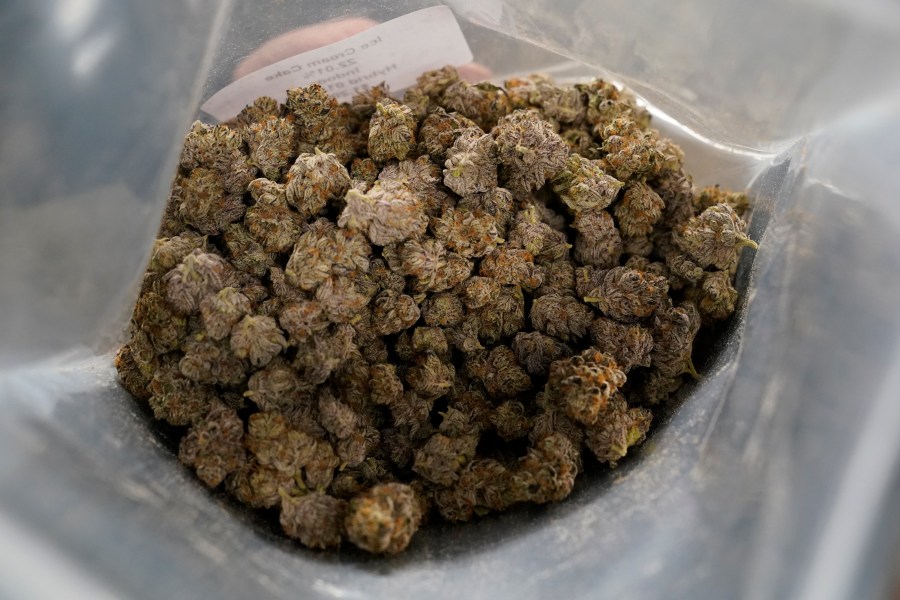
[776, 477]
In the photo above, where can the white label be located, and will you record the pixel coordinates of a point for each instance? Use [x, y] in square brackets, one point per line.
[395, 52]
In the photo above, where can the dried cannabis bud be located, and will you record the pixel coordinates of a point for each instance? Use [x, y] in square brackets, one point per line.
[358, 327]
[384, 518]
[714, 237]
[529, 149]
[316, 519]
[392, 132]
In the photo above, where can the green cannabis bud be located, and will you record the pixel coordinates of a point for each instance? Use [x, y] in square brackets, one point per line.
[529, 149]
[392, 131]
[471, 163]
[583, 185]
[714, 237]
[370, 314]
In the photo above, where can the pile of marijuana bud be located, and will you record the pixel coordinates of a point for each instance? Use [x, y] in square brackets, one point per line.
[369, 314]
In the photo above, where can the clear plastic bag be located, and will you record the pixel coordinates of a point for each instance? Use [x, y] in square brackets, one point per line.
[776, 477]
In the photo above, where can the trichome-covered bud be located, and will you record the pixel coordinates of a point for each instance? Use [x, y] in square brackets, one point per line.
[130, 374]
[313, 257]
[564, 104]
[430, 377]
[503, 317]
[681, 266]
[564, 317]
[715, 296]
[392, 132]
[272, 144]
[630, 150]
[479, 291]
[196, 276]
[430, 339]
[433, 83]
[363, 170]
[510, 420]
[303, 319]
[222, 310]
[539, 238]
[535, 351]
[455, 269]
[714, 237]
[464, 337]
[456, 423]
[175, 398]
[220, 148]
[313, 180]
[338, 419]
[245, 252]
[529, 149]
[214, 446]
[316, 519]
[469, 233]
[163, 327]
[439, 130]
[259, 486]
[640, 209]
[258, 339]
[423, 177]
[393, 312]
[484, 103]
[342, 297]
[318, 472]
[499, 372]
[363, 102]
[654, 387]
[583, 384]
[443, 310]
[384, 518]
[617, 429]
[510, 266]
[558, 278]
[676, 188]
[384, 383]
[626, 294]
[499, 203]
[388, 213]
[547, 473]
[270, 221]
[278, 386]
[628, 344]
[583, 185]
[442, 457]
[637, 246]
[259, 110]
[712, 195]
[208, 361]
[317, 115]
[673, 339]
[168, 252]
[598, 242]
[580, 142]
[319, 356]
[471, 165]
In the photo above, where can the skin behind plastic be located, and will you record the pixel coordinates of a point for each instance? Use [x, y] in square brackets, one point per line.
[776, 476]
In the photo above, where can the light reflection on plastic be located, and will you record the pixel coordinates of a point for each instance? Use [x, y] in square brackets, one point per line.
[90, 53]
[73, 16]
